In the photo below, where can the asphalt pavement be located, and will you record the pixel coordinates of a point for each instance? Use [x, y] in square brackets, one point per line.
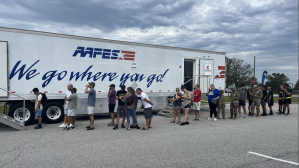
[224, 143]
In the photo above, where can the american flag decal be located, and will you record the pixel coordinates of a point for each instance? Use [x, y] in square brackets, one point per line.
[129, 55]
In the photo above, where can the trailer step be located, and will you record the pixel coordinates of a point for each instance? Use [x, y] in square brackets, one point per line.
[11, 122]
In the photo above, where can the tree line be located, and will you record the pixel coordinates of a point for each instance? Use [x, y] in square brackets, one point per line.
[239, 72]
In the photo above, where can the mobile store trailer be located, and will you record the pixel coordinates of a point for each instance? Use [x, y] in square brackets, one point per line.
[51, 61]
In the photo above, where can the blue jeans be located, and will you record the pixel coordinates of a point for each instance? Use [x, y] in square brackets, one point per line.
[132, 111]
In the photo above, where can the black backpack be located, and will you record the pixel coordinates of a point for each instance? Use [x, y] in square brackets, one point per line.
[44, 99]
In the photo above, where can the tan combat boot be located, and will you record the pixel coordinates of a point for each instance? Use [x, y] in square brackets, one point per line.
[224, 117]
[234, 118]
[257, 115]
[230, 117]
[251, 115]
[218, 118]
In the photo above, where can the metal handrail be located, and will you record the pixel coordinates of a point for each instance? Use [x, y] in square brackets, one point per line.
[171, 94]
[23, 105]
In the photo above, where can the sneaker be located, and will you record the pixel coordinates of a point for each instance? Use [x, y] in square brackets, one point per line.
[182, 124]
[73, 126]
[245, 116]
[90, 128]
[186, 123]
[198, 119]
[123, 125]
[239, 116]
[115, 127]
[215, 119]
[271, 113]
[137, 127]
[66, 128]
[62, 125]
[38, 127]
[209, 118]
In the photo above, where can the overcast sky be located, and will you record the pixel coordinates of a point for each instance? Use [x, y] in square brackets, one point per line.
[267, 29]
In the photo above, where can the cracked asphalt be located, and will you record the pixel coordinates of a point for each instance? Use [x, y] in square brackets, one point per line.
[224, 143]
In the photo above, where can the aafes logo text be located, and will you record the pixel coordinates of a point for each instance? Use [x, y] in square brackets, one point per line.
[104, 53]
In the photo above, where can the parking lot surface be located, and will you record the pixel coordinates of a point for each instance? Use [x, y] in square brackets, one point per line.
[224, 143]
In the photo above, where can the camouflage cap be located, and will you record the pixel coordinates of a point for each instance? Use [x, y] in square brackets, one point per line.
[221, 91]
[234, 88]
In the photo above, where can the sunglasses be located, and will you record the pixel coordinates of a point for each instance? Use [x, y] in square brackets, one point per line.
[177, 90]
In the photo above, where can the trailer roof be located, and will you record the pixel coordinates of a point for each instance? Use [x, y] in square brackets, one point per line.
[103, 40]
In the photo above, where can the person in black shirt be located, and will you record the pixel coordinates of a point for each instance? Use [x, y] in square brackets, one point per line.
[264, 101]
[121, 107]
[270, 100]
[280, 98]
[287, 99]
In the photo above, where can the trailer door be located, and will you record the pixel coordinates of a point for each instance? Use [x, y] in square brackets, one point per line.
[206, 67]
[3, 68]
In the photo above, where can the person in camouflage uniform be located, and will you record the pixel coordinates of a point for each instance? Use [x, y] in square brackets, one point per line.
[235, 96]
[257, 96]
[250, 99]
[221, 105]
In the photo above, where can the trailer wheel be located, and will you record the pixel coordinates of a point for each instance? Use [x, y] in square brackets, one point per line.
[53, 112]
[16, 112]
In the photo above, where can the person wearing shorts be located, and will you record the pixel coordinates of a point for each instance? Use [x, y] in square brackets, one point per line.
[120, 107]
[65, 105]
[287, 99]
[196, 102]
[186, 104]
[281, 99]
[38, 107]
[177, 106]
[147, 104]
[72, 108]
[112, 96]
[91, 103]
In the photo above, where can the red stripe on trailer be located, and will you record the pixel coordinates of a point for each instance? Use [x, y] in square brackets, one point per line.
[221, 67]
[45, 91]
[30, 91]
[13, 92]
[128, 52]
[168, 90]
[127, 55]
[151, 91]
[159, 90]
[59, 91]
[99, 91]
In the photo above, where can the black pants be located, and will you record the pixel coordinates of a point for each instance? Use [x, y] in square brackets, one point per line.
[213, 109]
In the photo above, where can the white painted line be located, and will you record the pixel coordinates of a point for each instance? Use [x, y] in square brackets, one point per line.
[269, 157]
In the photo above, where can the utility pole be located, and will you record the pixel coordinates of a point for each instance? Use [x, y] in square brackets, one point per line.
[254, 68]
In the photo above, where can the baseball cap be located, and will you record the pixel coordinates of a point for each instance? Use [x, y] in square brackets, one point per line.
[254, 86]
[221, 91]
[234, 88]
[112, 85]
[92, 83]
[242, 85]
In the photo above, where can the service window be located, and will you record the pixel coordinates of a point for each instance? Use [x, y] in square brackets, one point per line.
[3, 68]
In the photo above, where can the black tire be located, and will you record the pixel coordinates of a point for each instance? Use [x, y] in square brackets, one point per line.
[15, 109]
[53, 112]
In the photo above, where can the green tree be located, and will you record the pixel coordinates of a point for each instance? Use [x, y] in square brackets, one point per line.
[297, 85]
[238, 72]
[275, 80]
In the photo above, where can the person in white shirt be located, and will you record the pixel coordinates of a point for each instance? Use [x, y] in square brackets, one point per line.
[148, 114]
[65, 105]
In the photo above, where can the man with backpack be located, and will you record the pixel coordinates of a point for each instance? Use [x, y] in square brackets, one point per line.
[40, 101]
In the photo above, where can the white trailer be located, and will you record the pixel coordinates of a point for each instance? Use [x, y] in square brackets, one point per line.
[51, 61]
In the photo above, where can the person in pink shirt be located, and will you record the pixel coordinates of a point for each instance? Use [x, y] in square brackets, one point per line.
[196, 102]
